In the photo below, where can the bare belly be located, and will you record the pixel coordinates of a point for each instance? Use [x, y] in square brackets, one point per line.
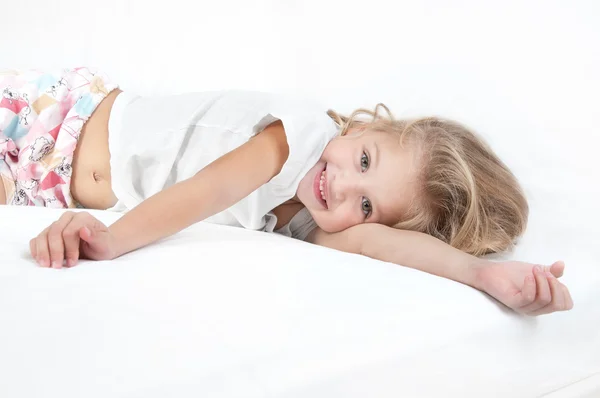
[90, 181]
[91, 178]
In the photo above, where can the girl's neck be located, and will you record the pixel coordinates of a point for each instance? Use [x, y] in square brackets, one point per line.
[286, 211]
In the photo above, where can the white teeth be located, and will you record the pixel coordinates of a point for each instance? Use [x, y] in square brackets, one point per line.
[321, 184]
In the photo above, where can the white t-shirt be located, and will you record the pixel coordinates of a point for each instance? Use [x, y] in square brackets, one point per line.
[156, 142]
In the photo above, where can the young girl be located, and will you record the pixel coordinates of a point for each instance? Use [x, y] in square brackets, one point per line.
[424, 193]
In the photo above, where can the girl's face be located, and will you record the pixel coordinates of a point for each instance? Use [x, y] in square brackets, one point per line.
[364, 176]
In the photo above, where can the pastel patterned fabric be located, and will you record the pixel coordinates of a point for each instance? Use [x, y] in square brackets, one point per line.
[41, 117]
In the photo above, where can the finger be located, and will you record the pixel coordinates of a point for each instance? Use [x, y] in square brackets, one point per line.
[568, 298]
[86, 234]
[92, 230]
[41, 249]
[72, 236]
[55, 239]
[558, 297]
[543, 294]
[527, 294]
[557, 269]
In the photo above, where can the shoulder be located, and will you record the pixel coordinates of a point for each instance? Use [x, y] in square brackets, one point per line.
[271, 145]
[305, 120]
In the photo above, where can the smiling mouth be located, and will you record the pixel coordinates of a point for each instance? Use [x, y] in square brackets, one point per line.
[321, 187]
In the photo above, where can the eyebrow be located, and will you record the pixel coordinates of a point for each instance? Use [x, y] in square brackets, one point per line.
[376, 156]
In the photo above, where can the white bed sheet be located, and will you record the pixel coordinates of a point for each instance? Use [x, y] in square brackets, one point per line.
[224, 312]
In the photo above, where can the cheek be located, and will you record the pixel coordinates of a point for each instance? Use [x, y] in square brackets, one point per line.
[340, 220]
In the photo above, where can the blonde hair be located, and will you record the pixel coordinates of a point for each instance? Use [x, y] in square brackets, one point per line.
[468, 197]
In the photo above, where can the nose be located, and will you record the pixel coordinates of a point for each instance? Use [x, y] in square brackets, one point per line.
[345, 186]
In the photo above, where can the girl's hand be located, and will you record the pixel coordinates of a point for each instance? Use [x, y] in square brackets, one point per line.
[526, 288]
[73, 236]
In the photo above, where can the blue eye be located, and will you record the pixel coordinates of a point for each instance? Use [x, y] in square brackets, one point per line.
[366, 207]
[364, 162]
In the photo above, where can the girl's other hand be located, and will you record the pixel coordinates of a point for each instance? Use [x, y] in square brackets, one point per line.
[526, 288]
[71, 237]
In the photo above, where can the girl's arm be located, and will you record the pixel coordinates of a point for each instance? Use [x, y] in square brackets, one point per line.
[527, 288]
[216, 187]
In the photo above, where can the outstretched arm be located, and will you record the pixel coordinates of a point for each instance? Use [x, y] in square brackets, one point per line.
[527, 288]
